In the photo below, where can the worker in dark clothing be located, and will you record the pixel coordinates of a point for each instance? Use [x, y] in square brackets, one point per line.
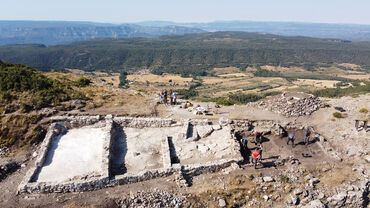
[291, 138]
[307, 137]
[260, 150]
[258, 137]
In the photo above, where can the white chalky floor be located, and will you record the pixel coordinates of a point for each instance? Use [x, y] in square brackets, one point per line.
[75, 154]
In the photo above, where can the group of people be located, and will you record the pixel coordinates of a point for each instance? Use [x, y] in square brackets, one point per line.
[164, 95]
[257, 152]
[306, 139]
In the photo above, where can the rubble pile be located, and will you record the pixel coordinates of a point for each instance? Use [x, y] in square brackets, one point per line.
[7, 168]
[292, 104]
[154, 199]
[3, 150]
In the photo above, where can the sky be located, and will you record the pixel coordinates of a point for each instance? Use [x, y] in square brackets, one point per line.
[122, 11]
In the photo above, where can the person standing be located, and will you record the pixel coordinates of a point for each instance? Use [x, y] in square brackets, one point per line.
[171, 97]
[255, 157]
[165, 97]
[258, 137]
[161, 97]
[307, 137]
[291, 138]
[260, 149]
[174, 98]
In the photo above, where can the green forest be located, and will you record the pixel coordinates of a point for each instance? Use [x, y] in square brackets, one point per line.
[192, 54]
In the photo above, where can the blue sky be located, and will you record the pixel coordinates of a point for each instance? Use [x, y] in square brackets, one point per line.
[118, 11]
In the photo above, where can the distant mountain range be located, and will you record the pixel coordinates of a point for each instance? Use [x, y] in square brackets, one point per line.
[61, 32]
[353, 32]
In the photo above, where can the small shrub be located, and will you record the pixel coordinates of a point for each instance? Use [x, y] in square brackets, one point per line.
[187, 94]
[82, 82]
[6, 96]
[25, 108]
[355, 95]
[123, 82]
[223, 101]
[338, 115]
[364, 110]
[242, 98]
[284, 179]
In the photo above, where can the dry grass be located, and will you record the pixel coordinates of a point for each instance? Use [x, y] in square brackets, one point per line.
[105, 98]
[234, 75]
[282, 69]
[225, 70]
[356, 76]
[238, 188]
[316, 83]
[338, 175]
[165, 79]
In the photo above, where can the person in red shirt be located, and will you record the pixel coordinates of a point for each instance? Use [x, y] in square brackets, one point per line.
[255, 157]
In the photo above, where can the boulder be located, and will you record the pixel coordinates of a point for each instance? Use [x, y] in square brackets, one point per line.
[314, 204]
[223, 121]
[298, 191]
[221, 203]
[337, 200]
[268, 179]
[293, 200]
[204, 131]
[367, 158]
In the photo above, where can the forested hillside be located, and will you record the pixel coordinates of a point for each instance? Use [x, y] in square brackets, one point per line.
[19, 82]
[190, 54]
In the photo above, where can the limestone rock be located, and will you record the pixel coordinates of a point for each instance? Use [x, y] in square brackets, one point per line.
[298, 191]
[202, 148]
[367, 158]
[293, 200]
[221, 203]
[314, 181]
[204, 131]
[268, 179]
[216, 127]
[314, 204]
[223, 121]
[337, 200]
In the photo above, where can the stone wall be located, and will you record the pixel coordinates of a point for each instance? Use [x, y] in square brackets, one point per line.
[29, 185]
[107, 147]
[54, 130]
[108, 123]
[143, 122]
[76, 121]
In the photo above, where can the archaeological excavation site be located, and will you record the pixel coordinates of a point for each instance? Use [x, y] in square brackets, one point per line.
[85, 153]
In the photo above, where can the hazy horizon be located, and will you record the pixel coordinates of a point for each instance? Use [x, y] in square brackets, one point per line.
[194, 22]
[191, 11]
